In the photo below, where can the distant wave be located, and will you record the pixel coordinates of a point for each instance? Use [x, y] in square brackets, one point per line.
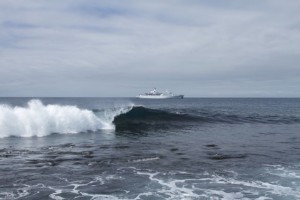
[37, 119]
[251, 118]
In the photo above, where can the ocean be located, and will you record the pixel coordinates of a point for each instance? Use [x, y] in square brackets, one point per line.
[126, 148]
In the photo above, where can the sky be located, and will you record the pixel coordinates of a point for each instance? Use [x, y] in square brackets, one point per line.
[121, 48]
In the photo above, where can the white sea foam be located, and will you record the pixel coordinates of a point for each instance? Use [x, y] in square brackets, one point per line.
[145, 159]
[284, 172]
[162, 186]
[37, 119]
[195, 188]
[170, 188]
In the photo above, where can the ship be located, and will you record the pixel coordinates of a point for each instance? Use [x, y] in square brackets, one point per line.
[154, 94]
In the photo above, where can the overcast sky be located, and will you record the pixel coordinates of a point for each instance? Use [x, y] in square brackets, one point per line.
[203, 48]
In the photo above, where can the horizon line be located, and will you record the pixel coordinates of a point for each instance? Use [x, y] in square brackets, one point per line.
[204, 97]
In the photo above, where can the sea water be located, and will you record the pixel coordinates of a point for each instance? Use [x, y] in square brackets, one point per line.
[125, 148]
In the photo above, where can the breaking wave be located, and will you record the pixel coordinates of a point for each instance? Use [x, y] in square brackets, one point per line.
[37, 119]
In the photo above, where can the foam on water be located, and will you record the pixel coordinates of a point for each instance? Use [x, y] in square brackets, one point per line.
[284, 172]
[167, 185]
[199, 186]
[37, 119]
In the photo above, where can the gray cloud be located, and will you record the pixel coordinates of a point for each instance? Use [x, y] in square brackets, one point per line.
[113, 48]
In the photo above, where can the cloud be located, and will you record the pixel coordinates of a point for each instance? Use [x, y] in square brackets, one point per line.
[113, 48]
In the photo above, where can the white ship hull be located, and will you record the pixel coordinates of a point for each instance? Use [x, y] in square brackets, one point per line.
[160, 96]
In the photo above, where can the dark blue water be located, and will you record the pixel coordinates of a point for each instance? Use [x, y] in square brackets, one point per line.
[122, 148]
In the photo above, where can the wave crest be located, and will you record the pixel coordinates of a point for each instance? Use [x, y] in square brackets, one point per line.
[141, 118]
[37, 119]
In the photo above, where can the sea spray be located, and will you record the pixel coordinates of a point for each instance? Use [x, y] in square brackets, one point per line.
[37, 119]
